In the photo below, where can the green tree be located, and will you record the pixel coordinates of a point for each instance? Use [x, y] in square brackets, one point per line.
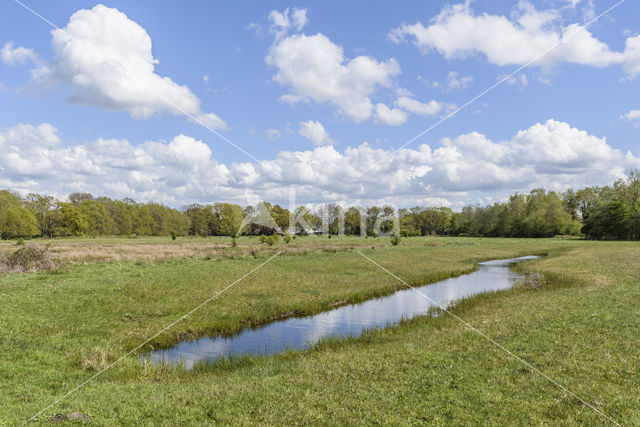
[282, 217]
[231, 221]
[96, 216]
[122, 216]
[43, 207]
[9, 199]
[71, 222]
[332, 216]
[143, 221]
[260, 219]
[17, 222]
[353, 217]
[177, 221]
[204, 221]
[77, 198]
[303, 222]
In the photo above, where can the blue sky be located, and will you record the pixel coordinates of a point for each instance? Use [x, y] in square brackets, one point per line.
[319, 95]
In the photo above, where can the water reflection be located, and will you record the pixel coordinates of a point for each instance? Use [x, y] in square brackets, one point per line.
[303, 332]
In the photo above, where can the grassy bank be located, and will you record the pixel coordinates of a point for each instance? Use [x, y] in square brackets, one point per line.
[578, 322]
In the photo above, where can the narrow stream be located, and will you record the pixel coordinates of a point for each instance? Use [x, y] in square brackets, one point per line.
[299, 333]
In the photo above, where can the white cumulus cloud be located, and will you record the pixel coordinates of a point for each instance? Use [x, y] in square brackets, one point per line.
[458, 32]
[283, 22]
[632, 56]
[106, 60]
[455, 171]
[18, 55]
[631, 115]
[416, 107]
[455, 81]
[316, 69]
[315, 132]
[272, 134]
[389, 116]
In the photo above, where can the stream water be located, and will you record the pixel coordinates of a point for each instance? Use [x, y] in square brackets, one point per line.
[299, 333]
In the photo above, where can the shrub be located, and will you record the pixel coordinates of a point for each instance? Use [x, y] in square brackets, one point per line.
[287, 238]
[270, 240]
[20, 242]
[395, 240]
[29, 258]
[173, 235]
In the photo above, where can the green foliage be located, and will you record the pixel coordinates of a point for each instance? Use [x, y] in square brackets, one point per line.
[304, 221]
[43, 208]
[20, 242]
[610, 212]
[77, 198]
[204, 221]
[287, 238]
[143, 221]
[16, 221]
[330, 216]
[9, 199]
[231, 221]
[282, 217]
[395, 240]
[98, 221]
[270, 240]
[538, 214]
[426, 221]
[353, 219]
[71, 221]
[173, 235]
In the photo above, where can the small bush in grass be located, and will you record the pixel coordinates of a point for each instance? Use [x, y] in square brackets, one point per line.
[20, 242]
[28, 258]
[395, 240]
[270, 240]
[287, 238]
[273, 239]
[173, 235]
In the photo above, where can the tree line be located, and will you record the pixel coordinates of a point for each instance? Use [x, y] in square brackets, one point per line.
[609, 212]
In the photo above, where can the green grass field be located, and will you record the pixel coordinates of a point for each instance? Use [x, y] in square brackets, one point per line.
[578, 321]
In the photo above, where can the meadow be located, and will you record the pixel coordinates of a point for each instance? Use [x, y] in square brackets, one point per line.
[575, 317]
